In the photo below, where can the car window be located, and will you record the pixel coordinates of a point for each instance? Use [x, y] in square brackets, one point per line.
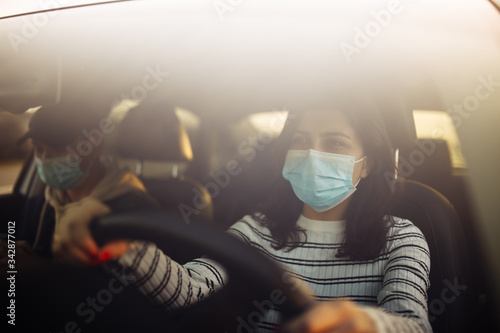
[228, 60]
[12, 127]
[439, 125]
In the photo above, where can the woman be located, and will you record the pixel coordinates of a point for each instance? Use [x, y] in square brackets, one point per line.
[327, 222]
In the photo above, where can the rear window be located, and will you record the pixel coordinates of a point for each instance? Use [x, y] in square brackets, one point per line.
[439, 125]
[243, 140]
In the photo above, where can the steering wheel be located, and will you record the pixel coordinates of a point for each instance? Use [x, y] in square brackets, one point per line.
[254, 279]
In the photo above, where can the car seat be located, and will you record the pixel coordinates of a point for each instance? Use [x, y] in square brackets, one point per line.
[428, 161]
[152, 132]
[433, 214]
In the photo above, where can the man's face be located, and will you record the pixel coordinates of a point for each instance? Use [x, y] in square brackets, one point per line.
[44, 151]
[72, 153]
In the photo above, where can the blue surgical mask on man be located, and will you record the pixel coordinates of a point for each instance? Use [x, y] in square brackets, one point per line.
[57, 174]
[319, 179]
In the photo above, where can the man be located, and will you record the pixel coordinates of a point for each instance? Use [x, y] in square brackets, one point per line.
[81, 183]
[68, 142]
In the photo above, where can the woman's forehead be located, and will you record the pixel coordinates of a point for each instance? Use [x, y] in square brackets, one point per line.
[325, 121]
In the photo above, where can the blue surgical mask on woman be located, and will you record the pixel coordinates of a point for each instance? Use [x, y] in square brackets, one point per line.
[57, 174]
[320, 180]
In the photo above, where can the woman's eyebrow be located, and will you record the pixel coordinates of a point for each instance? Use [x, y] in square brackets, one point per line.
[336, 133]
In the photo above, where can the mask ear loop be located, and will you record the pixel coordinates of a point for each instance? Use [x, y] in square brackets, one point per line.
[362, 158]
[357, 182]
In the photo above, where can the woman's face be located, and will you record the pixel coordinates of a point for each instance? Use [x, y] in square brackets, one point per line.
[329, 131]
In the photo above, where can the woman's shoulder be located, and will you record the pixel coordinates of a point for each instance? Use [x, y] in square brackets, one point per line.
[399, 224]
[404, 231]
[249, 228]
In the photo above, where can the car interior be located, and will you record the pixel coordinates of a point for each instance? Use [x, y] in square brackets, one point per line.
[218, 107]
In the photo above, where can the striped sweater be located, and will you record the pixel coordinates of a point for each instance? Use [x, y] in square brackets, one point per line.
[391, 289]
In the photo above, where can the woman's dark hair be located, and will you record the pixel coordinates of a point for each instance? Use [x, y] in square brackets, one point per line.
[367, 218]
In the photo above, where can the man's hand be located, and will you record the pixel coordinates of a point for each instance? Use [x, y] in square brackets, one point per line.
[334, 316]
[73, 242]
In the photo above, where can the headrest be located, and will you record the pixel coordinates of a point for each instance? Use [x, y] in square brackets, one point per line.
[440, 159]
[153, 132]
[429, 161]
[400, 125]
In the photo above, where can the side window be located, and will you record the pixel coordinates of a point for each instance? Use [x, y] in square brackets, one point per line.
[439, 125]
[12, 127]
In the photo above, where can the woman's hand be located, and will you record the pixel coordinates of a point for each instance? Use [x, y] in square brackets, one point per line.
[334, 316]
[73, 242]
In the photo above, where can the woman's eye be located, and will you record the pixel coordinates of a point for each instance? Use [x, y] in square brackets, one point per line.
[334, 143]
[299, 139]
